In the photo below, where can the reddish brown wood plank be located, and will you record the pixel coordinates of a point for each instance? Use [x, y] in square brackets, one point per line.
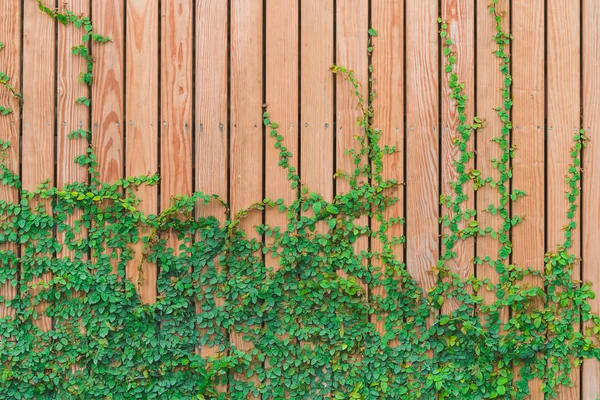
[351, 52]
[39, 66]
[563, 118]
[107, 94]
[489, 96]
[460, 17]
[176, 100]
[246, 122]
[388, 77]
[590, 380]
[528, 137]
[422, 147]
[282, 102]
[211, 117]
[142, 130]
[10, 64]
[70, 115]
[317, 97]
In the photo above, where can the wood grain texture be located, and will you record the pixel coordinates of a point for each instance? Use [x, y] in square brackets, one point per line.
[460, 17]
[591, 181]
[282, 92]
[422, 141]
[563, 118]
[38, 152]
[528, 137]
[10, 64]
[107, 95]
[351, 52]
[211, 117]
[70, 116]
[176, 100]
[388, 83]
[489, 96]
[246, 123]
[316, 96]
[142, 129]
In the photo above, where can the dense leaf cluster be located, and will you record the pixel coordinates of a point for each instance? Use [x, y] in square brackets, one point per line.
[323, 320]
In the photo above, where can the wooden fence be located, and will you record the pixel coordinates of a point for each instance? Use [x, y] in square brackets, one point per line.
[181, 87]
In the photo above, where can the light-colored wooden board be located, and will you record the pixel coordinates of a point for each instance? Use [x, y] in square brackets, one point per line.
[422, 141]
[10, 64]
[460, 17]
[591, 179]
[388, 104]
[176, 100]
[282, 92]
[489, 96]
[39, 88]
[563, 119]
[107, 94]
[316, 94]
[142, 125]
[211, 117]
[282, 96]
[528, 137]
[246, 123]
[352, 24]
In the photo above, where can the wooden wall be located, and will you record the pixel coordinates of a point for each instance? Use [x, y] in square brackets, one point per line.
[181, 87]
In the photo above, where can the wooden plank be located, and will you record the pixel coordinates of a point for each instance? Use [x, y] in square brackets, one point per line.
[489, 96]
[176, 100]
[246, 124]
[528, 137]
[388, 105]
[282, 102]
[422, 143]
[351, 52]
[142, 129]
[563, 118]
[317, 97]
[39, 44]
[460, 17]
[211, 118]
[107, 94]
[282, 91]
[10, 64]
[591, 182]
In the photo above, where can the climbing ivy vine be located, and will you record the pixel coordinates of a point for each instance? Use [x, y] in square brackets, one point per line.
[304, 307]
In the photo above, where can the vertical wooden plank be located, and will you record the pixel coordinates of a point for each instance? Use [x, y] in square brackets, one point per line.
[176, 100]
[246, 122]
[563, 118]
[39, 45]
[282, 91]
[70, 116]
[282, 101]
[489, 96]
[10, 64]
[460, 17]
[528, 137]
[107, 94]
[591, 182]
[422, 141]
[142, 133]
[351, 52]
[317, 97]
[211, 116]
[388, 77]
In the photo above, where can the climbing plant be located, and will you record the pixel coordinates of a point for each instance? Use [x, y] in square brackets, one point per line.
[298, 297]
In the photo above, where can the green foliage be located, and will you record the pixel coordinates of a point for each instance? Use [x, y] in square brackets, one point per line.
[4, 81]
[312, 327]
